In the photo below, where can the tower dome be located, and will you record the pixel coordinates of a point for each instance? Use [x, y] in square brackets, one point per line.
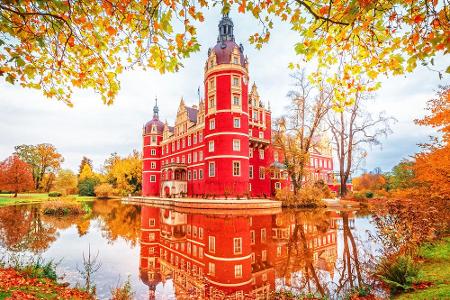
[226, 44]
[155, 123]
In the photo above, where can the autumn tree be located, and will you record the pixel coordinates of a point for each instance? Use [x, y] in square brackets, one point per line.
[85, 161]
[87, 181]
[15, 175]
[56, 46]
[44, 160]
[353, 128]
[432, 165]
[369, 181]
[402, 176]
[124, 174]
[66, 182]
[296, 133]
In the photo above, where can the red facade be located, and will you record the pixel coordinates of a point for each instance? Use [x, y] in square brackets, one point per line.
[225, 256]
[221, 147]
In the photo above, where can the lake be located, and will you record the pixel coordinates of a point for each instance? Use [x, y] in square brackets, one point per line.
[175, 254]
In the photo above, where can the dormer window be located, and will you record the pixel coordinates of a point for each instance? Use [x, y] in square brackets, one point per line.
[153, 128]
[235, 60]
[212, 83]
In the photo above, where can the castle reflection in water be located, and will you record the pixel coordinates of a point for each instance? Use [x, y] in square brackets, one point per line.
[212, 255]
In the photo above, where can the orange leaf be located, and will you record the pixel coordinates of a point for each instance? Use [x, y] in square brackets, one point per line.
[111, 30]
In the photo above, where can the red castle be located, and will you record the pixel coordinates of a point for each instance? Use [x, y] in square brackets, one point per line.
[221, 147]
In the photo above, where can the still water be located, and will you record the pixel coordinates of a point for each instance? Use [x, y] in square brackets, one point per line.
[176, 254]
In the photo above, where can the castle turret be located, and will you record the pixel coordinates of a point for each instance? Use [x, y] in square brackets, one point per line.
[151, 169]
[226, 116]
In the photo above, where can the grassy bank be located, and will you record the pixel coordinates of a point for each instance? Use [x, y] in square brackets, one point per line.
[435, 270]
[9, 199]
[23, 285]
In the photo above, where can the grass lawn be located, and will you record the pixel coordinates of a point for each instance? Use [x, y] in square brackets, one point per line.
[8, 199]
[435, 269]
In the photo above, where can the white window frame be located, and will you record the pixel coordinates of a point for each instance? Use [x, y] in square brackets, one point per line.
[212, 269]
[236, 145]
[237, 245]
[238, 271]
[238, 169]
[152, 178]
[212, 124]
[212, 244]
[262, 173]
[237, 122]
[212, 169]
[211, 146]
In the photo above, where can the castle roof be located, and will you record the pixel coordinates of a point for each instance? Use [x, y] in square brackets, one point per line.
[226, 44]
[192, 114]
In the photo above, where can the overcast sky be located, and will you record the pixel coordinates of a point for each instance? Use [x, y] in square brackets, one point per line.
[95, 130]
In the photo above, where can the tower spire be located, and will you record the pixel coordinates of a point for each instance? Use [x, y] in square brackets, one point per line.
[156, 109]
[225, 29]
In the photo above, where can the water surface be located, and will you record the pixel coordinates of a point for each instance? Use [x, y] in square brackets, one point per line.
[175, 254]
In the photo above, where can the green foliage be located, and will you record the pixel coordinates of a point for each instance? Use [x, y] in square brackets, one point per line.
[54, 194]
[435, 269]
[86, 186]
[123, 292]
[436, 251]
[34, 267]
[369, 195]
[359, 291]
[398, 272]
[402, 176]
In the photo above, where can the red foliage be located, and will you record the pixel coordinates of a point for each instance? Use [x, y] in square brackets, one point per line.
[15, 175]
[23, 287]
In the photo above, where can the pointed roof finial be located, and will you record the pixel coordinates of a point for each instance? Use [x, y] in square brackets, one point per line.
[156, 109]
[268, 105]
[225, 29]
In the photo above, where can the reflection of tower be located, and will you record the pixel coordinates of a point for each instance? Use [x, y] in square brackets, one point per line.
[220, 256]
[149, 267]
[228, 257]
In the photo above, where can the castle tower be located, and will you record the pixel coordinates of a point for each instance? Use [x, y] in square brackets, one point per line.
[226, 116]
[151, 169]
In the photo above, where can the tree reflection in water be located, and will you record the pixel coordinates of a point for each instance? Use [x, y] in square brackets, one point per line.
[26, 228]
[211, 254]
[22, 228]
[249, 256]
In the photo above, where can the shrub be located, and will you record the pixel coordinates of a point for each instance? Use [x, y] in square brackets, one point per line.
[369, 195]
[104, 190]
[398, 272]
[54, 194]
[86, 187]
[123, 292]
[308, 196]
[62, 208]
[40, 269]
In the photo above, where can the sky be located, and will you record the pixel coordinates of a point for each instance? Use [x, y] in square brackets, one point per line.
[95, 130]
